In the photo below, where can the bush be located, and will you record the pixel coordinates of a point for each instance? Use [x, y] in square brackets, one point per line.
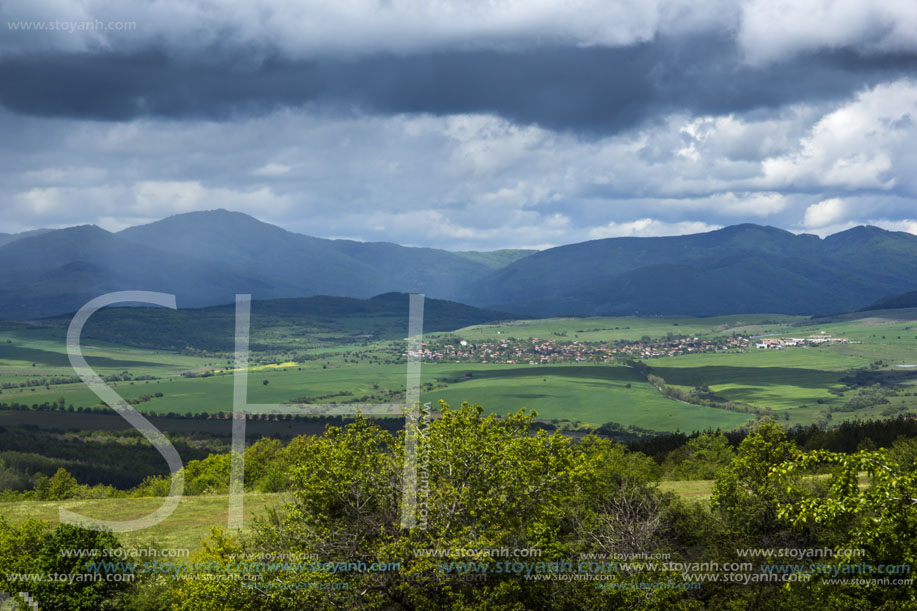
[33, 548]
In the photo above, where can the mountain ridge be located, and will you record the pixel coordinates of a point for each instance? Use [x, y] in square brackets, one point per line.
[207, 257]
[739, 269]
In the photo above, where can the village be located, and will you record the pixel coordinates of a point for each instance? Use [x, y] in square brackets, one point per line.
[778, 343]
[535, 351]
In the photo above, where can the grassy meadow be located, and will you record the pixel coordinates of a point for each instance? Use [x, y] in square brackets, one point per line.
[191, 522]
[184, 529]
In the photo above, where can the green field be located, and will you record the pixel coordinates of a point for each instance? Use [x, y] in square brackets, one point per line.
[601, 329]
[796, 383]
[591, 394]
[767, 378]
[585, 393]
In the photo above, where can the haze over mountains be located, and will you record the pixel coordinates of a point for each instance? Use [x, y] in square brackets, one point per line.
[205, 258]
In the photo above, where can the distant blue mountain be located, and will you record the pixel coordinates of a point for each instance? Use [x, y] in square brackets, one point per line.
[740, 269]
[6, 238]
[205, 258]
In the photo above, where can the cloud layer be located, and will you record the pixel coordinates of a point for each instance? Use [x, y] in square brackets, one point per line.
[461, 124]
[766, 30]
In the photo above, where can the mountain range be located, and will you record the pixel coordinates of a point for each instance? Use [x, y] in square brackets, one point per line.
[205, 258]
[740, 269]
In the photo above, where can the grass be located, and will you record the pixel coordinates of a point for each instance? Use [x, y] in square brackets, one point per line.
[695, 489]
[702, 489]
[779, 379]
[794, 382]
[47, 349]
[774, 387]
[184, 529]
[592, 394]
[600, 329]
[191, 522]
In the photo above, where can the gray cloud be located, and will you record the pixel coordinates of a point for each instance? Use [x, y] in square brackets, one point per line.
[474, 180]
[594, 89]
[767, 30]
[461, 124]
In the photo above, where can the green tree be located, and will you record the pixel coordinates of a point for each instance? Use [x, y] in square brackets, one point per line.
[485, 483]
[33, 548]
[703, 457]
[868, 503]
[59, 486]
[871, 500]
[266, 466]
[743, 494]
[210, 475]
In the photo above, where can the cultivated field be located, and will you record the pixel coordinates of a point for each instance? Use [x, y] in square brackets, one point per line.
[799, 385]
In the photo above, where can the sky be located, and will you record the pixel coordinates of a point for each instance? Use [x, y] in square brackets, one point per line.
[461, 124]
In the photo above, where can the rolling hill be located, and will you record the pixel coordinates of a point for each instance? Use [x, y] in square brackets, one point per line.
[212, 328]
[896, 302]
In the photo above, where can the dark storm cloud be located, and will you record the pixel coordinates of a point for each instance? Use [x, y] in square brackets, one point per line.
[466, 124]
[586, 89]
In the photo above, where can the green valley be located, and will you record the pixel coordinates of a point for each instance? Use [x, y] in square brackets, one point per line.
[580, 372]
